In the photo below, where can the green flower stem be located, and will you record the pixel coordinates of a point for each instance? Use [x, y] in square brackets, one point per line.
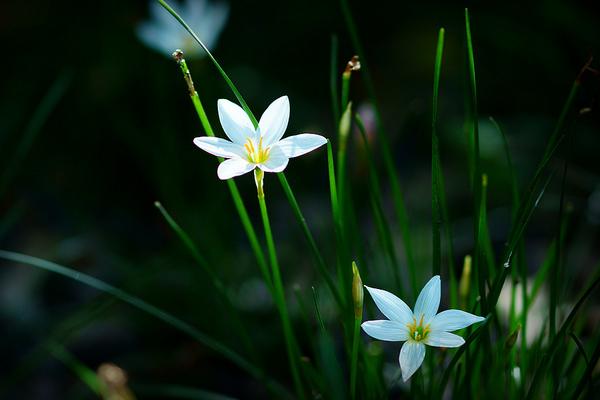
[354, 359]
[233, 189]
[290, 340]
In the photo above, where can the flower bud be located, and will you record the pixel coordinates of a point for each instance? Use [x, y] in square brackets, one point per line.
[357, 291]
[465, 280]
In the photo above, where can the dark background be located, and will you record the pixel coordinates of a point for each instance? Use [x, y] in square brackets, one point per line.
[120, 138]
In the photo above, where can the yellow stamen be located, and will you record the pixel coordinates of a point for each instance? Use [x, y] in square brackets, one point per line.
[256, 155]
[418, 332]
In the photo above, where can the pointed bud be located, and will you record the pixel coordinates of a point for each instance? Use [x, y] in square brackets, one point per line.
[512, 338]
[465, 280]
[357, 291]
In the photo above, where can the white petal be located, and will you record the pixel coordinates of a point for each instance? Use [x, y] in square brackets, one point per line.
[392, 331]
[412, 355]
[452, 320]
[235, 122]
[276, 162]
[220, 147]
[294, 146]
[274, 121]
[444, 339]
[234, 167]
[428, 301]
[391, 306]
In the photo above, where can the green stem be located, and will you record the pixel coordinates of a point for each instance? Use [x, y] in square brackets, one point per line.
[354, 360]
[290, 340]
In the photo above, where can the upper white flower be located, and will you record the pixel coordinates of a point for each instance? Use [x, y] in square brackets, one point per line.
[164, 34]
[261, 147]
[422, 327]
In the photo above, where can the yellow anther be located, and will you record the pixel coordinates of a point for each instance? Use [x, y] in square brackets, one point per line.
[256, 155]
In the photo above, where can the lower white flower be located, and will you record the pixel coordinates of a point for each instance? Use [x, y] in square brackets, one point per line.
[262, 147]
[422, 327]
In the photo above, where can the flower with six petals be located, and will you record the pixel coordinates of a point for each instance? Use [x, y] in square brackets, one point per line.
[423, 326]
[262, 147]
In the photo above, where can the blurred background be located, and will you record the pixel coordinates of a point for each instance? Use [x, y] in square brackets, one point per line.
[95, 126]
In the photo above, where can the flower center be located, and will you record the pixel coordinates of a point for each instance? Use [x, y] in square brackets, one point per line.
[417, 331]
[256, 154]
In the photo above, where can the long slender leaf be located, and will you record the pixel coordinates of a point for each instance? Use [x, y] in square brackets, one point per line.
[142, 305]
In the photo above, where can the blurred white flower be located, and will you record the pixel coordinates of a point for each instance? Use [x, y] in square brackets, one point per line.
[164, 34]
[262, 147]
[422, 327]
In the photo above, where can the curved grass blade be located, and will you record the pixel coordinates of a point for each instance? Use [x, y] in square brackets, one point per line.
[229, 82]
[472, 337]
[545, 362]
[140, 304]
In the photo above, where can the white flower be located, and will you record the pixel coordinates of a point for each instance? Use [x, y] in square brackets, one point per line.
[164, 34]
[422, 327]
[261, 147]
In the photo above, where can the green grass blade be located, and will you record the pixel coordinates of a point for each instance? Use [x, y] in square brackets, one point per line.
[343, 278]
[224, 75]
[586, 378]
[33, 128]
[388, 161]
[321, 267]
[461, 350]
[82, 371]
[214, 279]
[546, 359]
[378, 213]
[148, 308]
[436, 214]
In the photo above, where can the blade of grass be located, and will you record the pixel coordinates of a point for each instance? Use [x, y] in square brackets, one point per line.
[436, 217]
[82, 371]
[454, 360]
[224, 75]
[545, 362]
[552, 146]
[388, 161]
[378, 213]
[586, 378]
[148, 308]
[214, 279]
[321, 267]
[335, 209]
